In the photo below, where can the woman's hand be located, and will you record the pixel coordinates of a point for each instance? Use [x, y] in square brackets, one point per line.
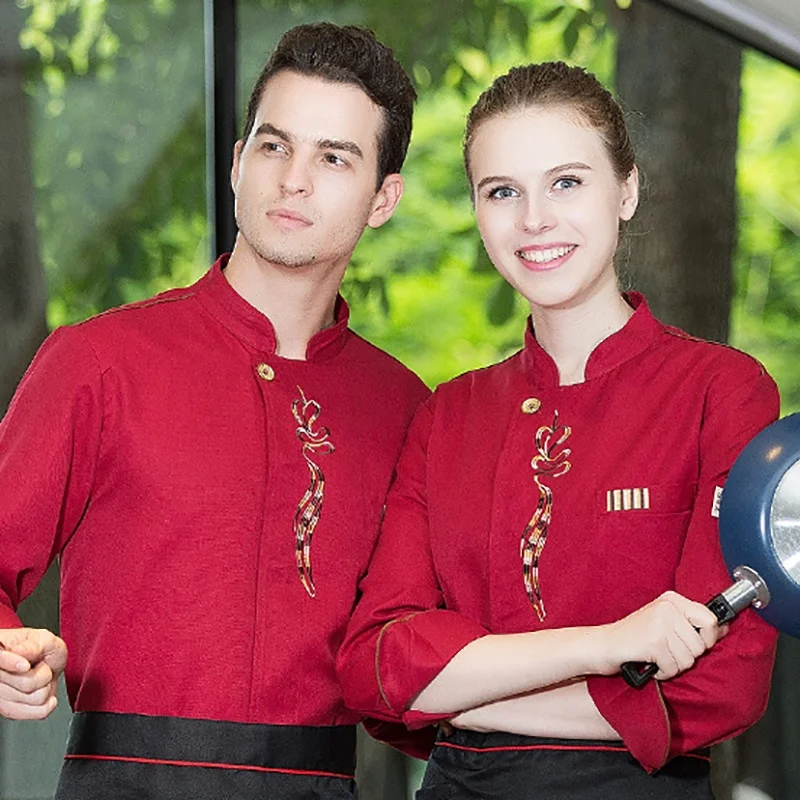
[671, 631]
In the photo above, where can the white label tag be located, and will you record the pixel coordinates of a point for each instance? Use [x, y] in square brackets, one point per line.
[715, 504]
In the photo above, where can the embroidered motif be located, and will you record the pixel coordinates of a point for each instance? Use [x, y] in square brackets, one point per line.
[627, 499]
[550, 462]
[306, 412]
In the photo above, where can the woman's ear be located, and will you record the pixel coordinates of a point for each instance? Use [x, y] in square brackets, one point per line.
[630, 195]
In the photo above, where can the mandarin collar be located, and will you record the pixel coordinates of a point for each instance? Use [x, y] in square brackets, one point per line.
[635, 336]
[249, 325]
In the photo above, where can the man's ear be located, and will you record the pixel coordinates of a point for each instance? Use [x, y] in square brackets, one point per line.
[237, 154]
[630, 195]
[386, 200]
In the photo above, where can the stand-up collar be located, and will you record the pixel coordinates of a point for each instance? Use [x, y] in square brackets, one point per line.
[251, 326]
[633, 338]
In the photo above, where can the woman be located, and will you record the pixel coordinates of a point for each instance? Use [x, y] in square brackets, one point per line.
[553, 513]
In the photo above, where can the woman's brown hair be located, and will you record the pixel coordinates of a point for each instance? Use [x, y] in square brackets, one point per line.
[554, 83]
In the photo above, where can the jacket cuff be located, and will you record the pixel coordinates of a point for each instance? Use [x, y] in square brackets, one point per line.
[639, 716]
[417, 744]
[413, 650]
[8, 619]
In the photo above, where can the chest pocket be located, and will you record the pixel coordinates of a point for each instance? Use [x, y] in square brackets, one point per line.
[641, 531]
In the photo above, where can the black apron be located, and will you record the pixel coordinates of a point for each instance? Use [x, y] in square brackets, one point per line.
[135, 757]
[503, 766]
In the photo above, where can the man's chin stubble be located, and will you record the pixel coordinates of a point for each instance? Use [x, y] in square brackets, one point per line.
[288, 262]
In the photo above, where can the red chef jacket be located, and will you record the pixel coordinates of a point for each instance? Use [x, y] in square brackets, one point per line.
[213, 504]
[521, 504]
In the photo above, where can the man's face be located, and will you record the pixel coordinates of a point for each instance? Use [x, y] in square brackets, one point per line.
[305, 177]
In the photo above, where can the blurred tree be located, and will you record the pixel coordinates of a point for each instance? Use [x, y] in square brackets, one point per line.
[120, 175]
[112, 233]
[431, 265]
[685, 115]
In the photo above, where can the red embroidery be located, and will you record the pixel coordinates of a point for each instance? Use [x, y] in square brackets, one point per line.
[306, 413]
[552, 463]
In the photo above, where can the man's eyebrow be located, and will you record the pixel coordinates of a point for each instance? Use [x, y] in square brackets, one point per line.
[270, 129]
[338, 144]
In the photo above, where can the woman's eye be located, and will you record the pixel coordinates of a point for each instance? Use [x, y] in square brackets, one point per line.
[501, 193]
[565, 184]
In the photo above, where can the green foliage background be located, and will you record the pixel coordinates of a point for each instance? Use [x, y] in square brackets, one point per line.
[119, 160]
[766, 311]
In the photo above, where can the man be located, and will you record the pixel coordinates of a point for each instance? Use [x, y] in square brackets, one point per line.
[210, 466]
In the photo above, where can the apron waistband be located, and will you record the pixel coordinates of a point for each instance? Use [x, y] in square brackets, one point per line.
[313, 750]
[462, 739]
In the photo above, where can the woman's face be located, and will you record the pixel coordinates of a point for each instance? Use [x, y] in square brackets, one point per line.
[549, 204]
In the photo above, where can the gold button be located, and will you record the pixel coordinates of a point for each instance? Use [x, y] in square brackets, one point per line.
[265, 372]
[531, 405]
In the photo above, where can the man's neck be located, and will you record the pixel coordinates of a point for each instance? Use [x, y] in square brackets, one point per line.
[298, 301]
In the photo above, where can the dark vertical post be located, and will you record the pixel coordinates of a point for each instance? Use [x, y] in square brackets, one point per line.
[221, 105]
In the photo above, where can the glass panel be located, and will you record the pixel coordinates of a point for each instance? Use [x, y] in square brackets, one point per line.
[767, 305]
[117, 102]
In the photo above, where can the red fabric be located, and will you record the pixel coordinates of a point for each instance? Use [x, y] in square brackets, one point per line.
[144, 448]
[659, 410]
[206, 765]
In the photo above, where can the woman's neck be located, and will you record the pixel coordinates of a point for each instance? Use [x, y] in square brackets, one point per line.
[569, 335]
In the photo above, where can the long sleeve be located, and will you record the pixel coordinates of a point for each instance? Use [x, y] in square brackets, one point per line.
[49, 442]
[727, 689]
[400, 636]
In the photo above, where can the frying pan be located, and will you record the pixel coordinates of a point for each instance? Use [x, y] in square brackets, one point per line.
[759, 529]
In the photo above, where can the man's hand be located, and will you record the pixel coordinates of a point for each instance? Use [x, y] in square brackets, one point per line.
[31, 661]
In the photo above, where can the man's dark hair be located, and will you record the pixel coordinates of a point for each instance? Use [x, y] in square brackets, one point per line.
[348, 54]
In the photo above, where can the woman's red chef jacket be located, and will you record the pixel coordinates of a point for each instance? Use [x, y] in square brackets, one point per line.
[650, 437]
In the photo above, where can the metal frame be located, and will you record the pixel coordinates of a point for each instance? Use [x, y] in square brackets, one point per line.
[221, 52]
[739, 20]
